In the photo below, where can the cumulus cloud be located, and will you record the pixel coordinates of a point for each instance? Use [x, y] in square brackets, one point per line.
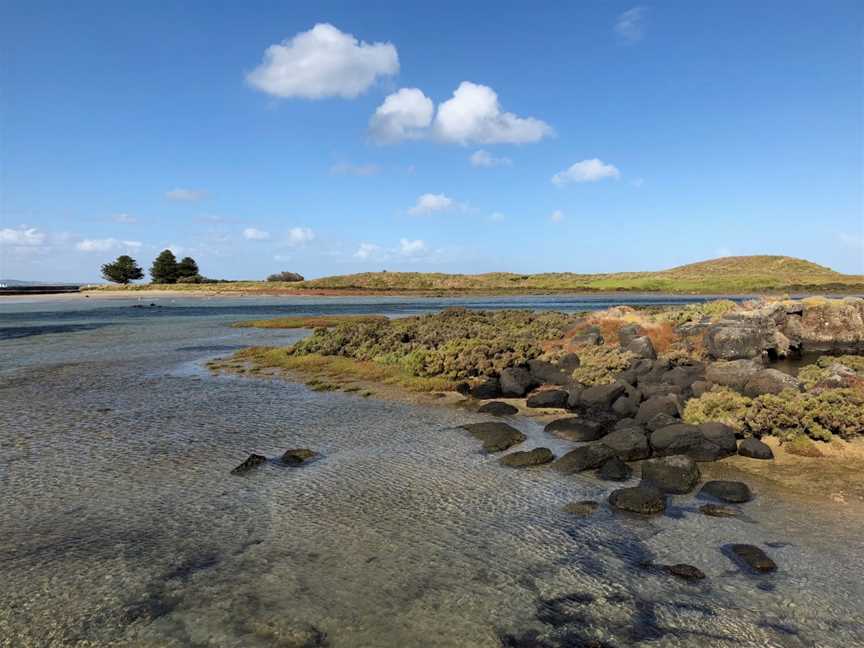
[254, 234]
[185, 195]
[368, 251]
[411, 248]
[404, 115]
[473, 115]
[556, 216]
[630, 25]
[429, 203]
[586, 171]
[125, 219]
[21, 237]
[300, 236]
[483, 158]
[323, 62]
[346, 168]
[106, 245]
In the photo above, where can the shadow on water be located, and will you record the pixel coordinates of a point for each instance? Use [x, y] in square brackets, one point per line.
[18, 332]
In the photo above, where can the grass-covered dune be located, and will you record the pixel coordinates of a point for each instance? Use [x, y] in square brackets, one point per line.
[728, 275]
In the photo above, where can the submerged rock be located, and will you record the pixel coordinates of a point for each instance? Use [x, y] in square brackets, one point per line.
[716, 510]
[614, 470]
[583, 458]
[582, 509]
[752, 556]
[497, 408]
[754, 449]
[522, 459]
[687, 572]
[252, 461]
[495, 436]
[727, 491]
[549, 398]
[676, 474]
[577, 428]
[297, 456]
[644, 499]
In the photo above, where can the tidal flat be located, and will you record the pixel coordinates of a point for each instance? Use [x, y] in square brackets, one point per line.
[123, 525]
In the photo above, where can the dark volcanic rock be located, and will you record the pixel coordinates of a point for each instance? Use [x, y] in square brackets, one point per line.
[643, 499]
[587, 339]
[683, 376]
[642, 347]
[547, 373]
[651, 390]
[679, 438]
[569, 362]
[626, 406]
[601, 396]
[535, 457]
[661, 420]
[657, 405]
[548, 398]
[583, 458]
[489, 388]
[297, 456]
[497, 408]
[671, 474]
[252, 461]
[687, 572]
[495, 436]
[628, 333]
[770, 381]
[629, 443]
[716, 510]
[719, 442]
[734, 374]
[516, 381]
[731, 340]
[699, 387]
[727, 491]
[577, 428]
[754, 449]
[614, 470]
[582, 509]
[751, 556]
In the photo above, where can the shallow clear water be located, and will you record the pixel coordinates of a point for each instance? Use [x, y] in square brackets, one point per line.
[121, 525]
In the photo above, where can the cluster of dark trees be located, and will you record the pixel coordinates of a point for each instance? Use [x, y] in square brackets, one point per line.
[285, 276]
[165, 270]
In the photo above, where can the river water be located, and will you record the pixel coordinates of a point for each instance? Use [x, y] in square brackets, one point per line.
[120, 524]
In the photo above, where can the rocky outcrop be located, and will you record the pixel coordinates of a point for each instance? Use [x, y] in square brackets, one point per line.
[546, 373]
[497, 408]
[489, 388]
[583, 458]
[629, 444]
[577, 428]
[516, 381]
[658, 405]
[496, 437]
[733, 374]
[676, 439]
[555, 398]
[601, 396]
[754, 449]
[642, 347]
[770, 381]
[523, 459]
[671, 474]
[727, 491]
[737, 339]
[614, 470]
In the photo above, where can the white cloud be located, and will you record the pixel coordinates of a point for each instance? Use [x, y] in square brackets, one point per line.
[630, 25]
[300, 236]
[126, 219]
[185, 195]
[411, 248]
[556, 216]
[429, 203]
[473, 114]
[368, 251]
[404, 115]
[253, 234]
[21, 237]
[586, 171]
[346, 168]
[106, 245]
[323, 62]
[483, 158]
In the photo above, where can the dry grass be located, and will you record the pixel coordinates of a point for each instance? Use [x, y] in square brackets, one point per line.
[312, 322]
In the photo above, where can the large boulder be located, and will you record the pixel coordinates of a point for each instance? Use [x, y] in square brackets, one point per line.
[645, 499]
[516, 381]
[522, 459]
[770, 381]
[628, 333]
[577, 428]
[746, 338]
[488, 388]
[719, 442]
[544, 372]
[676, 439]
[548, 398]
[629, 444]
[671, 474]
[642, 347]
[497, 408]
[583, 458]
[601, 396]
[733, 374]
[683, 376]
[727, 491]
[496, 436]
[614, 469]
[658, 405]
[832, 325]
[661, 420]
[569, 362]
[754, 449]
[626, 406]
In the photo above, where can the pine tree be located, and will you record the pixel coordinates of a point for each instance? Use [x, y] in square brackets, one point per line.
[187, 268]
[123, 270]
[164, 268]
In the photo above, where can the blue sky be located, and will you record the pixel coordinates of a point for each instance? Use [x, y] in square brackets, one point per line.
[328, 138]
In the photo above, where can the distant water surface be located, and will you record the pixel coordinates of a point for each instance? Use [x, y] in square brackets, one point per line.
[120, 523]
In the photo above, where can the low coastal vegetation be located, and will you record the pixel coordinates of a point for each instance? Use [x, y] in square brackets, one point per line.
[728, 275]
[309, 322]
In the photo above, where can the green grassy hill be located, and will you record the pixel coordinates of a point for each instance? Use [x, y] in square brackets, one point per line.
[745, 274]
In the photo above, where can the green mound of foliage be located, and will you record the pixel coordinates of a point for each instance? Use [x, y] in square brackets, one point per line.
[600, 365]
[819, 414]
[714, 310]
[455, 344]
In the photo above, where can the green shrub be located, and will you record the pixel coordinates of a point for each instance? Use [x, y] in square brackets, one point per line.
[714, 309]
[719, 404]
[600, 365]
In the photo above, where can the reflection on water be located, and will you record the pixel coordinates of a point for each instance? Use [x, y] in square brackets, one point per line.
[121, 524]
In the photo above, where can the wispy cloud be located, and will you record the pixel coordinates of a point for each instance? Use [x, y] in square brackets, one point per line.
[429, 203]
[186, 195]
[630, 25]
[125, 219]
[298, 236]
[483, 158]
[411, 248]
[21, 236]
[106, 245]
[255, 234]
[586, 171]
